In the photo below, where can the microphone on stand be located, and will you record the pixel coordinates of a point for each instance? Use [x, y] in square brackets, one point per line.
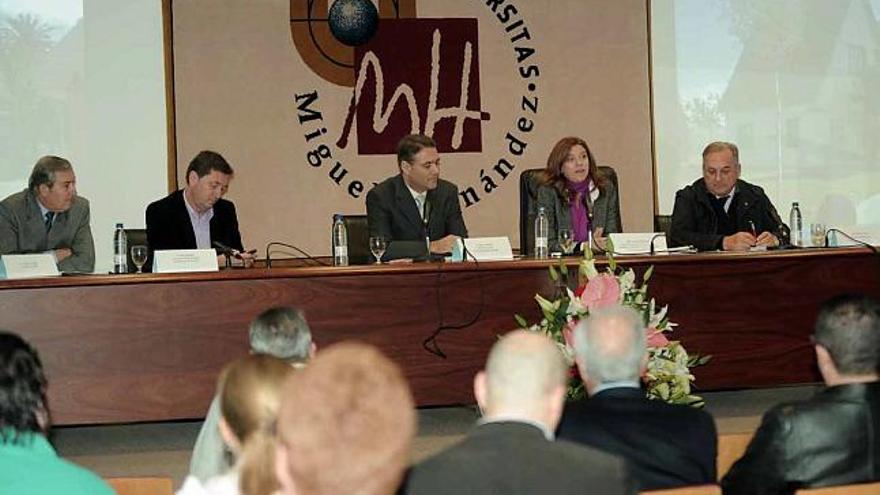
[858, 241]
[223, 248]
[653, 238]
[289, 246]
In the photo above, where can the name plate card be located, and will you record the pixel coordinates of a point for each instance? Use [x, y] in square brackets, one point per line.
[185, 261]
[638, 242]
[483, 249]
[14, 266]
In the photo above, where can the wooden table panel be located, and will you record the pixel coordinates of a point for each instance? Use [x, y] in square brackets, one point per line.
[149, 347]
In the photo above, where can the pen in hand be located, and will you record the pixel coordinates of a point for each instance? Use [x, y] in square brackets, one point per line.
[754, 230]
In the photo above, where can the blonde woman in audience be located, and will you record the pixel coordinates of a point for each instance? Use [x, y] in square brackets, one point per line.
[250, 396]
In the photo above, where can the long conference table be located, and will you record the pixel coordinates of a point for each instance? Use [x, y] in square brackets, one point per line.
[130, 348]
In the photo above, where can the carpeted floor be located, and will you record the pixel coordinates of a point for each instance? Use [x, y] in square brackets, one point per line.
[163, 449]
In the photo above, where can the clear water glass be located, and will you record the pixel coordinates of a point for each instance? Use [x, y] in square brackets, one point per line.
[377, 247]
[139, 256]
[817, 234]
[566, 240]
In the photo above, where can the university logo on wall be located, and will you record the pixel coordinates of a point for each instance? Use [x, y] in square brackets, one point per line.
[407, 75]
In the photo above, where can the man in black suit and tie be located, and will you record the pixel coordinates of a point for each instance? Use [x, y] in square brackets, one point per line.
[666, 445]
[197, 216]
[512, 450]
[416, 204]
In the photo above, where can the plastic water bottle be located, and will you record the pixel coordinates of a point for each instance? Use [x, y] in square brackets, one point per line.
[340, 242]
[542, 227]
[120, 250]
[796, 223]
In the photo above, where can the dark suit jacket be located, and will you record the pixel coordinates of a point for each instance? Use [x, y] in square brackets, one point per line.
[694, 222]
[392, 212]
[514, 458]
[666, 445]
[831, 439]
[169, 226]
[22, 231]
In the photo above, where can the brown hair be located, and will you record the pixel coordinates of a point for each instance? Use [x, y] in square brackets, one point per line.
[410, 145]
[250, 395]
[206, 161]
[553, 172]
[347, 423]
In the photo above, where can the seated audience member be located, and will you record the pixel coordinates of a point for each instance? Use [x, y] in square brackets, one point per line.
[832, 438]
[250, 394]
[48, 216]
[280, 332]
[722, 211]
[576, 196]
[28, 463]
[346, 424]
[512, 450]
[197, 216]
[667, 445]
[416, 203]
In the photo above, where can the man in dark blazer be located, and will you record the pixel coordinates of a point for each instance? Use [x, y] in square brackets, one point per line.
[48, 216]
[512, 450]
[666, 445]
[416, 203]
[834, 437]
[722, 211]
[197, 216]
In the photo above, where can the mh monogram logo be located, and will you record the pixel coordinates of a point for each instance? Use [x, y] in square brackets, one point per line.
[409, 75]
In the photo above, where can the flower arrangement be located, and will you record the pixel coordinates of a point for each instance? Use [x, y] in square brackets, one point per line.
[668, 376]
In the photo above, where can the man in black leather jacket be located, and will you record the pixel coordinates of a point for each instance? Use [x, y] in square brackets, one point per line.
[833, 438]
[722, 211]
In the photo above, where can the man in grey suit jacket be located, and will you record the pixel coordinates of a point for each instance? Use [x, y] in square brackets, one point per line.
[512, 450]
[48, 216]
[416, 203]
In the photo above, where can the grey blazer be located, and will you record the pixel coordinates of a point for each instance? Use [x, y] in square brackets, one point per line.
[22, 231]
[606, 212]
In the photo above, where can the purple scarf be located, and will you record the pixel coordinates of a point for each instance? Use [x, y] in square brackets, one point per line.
[580, 220]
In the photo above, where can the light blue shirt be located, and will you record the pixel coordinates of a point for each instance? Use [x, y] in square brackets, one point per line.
[201, 224]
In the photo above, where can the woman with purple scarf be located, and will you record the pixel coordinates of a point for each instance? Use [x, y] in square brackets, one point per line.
[576, 196]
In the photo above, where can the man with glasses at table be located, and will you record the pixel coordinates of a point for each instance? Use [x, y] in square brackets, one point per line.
[416, 203]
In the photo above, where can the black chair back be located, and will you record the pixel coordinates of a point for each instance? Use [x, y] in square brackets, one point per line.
[529, 181]
[358, 239]
[662, 224]
[135, 237]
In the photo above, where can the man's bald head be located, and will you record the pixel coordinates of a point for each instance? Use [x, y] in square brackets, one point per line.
[524, 370]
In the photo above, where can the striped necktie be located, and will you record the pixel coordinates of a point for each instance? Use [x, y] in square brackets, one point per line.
[50, 215]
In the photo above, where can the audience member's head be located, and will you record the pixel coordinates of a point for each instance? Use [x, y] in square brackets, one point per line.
[284, 333]
[525, 378]
[610, 347]
[346, 424]
[250, 395]
[22, 389]
[847, 338]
